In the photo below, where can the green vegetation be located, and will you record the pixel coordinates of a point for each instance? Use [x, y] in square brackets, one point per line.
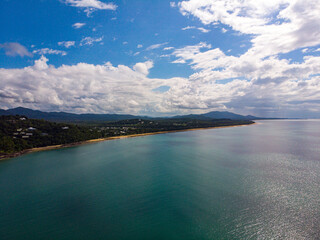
[18, 133]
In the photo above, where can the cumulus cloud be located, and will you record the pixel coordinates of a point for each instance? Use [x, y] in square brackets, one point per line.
[139, 46]
[266, 85]
[278, 26]
[44, 51]
[67, 44]
[143, 67]
[257, 81]
[78, 25]
[90, 41]
[216, 61]
[91, 5]
[81, 88]
[270, 87]
[13, 49]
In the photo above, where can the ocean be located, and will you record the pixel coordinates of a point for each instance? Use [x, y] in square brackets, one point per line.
[259, 181]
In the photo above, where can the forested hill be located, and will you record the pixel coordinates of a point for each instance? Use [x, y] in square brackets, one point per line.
[77, 118]
[65, 117]
[18, 133]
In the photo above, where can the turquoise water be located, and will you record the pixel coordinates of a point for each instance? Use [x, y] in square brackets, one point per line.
[252, 182]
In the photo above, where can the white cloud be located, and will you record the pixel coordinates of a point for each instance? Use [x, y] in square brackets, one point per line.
[173, 4]
[81, 88]
[278, 26]
[188, 27]
[78, 25]
[41, 64]
[44, 51]
[67, 44]
[189, 52]
[317, 50]
[193, 27]
[155, 46]
[168, 48]
[13, 49]
[90, 41]
[143, 67]
[91, 5]
[139, 46]
[271, 84]
[125, 43]
[272, 87]
[224, 30]
[203, 30]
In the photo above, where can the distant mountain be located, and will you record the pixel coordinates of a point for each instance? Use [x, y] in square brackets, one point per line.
[219, 115]
[71, 117]
[229, 115]
[63, 116]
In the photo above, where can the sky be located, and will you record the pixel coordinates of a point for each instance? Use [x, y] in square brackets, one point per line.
[161, 58]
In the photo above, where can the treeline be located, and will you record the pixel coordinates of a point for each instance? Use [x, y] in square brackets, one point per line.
[18, 133]
[143, 126]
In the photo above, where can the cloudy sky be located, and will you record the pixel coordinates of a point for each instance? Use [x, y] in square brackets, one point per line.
[161, 57]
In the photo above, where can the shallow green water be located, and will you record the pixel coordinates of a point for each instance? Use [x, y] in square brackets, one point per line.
[252, 182]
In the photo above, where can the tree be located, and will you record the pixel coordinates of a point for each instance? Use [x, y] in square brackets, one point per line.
[6, 144]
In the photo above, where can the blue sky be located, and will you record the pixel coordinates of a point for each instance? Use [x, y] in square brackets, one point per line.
[161, 57]
[43, 24]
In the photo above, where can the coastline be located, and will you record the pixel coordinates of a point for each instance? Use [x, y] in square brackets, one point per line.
[67, 145]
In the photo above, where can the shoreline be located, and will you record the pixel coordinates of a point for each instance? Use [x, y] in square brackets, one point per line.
[67, 145]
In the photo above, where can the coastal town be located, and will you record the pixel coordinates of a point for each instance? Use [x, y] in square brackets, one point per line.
[28, 132]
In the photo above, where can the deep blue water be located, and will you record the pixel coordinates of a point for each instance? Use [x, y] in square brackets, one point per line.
[252, 182]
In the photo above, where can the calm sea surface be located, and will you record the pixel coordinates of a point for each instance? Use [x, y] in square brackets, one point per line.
[252, 182]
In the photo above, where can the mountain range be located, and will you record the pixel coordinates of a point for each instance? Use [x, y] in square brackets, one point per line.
[72, 117]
